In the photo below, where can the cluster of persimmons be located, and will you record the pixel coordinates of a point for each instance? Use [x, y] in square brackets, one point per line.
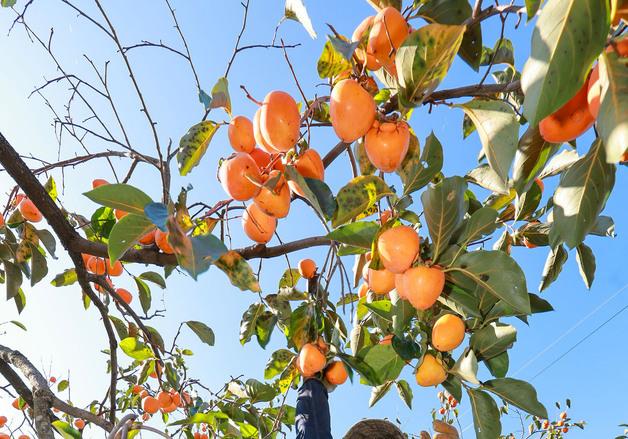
[265, 145]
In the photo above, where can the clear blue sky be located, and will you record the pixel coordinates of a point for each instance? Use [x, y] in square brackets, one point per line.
[61, 336]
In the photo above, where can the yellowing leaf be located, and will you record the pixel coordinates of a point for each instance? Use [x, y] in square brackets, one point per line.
[193, 145]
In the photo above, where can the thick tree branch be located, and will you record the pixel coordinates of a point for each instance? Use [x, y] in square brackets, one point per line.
[41, 398]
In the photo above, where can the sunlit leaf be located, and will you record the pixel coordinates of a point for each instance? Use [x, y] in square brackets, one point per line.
[120, 196]
[193, 145]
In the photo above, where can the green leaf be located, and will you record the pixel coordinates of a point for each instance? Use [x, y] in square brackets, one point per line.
[586, 264]
[612, 122]
[518, 393]
[424, 58]
[358, 234]
[466, 367]
[502, 53]
[66, 430]
[51, 188]
[126, 233]
[8, 3]
[485, 415]
[249, 322]
[120, 327]
[480, 224]
[315, 191]
[204, 332]
[289, 278]
[279, 360]
[239, 271]
[444, 207]
[19, 325]
[384, 361]
[63, 385]
[39, 265]
[493, 272]
[259, 392]
[378, 392]
[196, 253]
[532, 6]
[365, 165]
[498, 128]
[68, 277]
[331, 62]
[419, 168]
[144, 293]
[405, 392]
[120, 196]
[492, 340]
[560, 163]
[357, 196]
[533, 152]
[101, 222]
[485, 177]
[456, 12]
[13, 277]
[498, 366]
[556, 258]
[581, 196]
[48, 240]
[567, 38]
[302, 324]
[264, 327]
[193, 145]
[136, 349]
[295, 10]
[153, 277]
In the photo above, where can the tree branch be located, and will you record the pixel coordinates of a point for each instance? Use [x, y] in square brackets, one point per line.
[41, 398]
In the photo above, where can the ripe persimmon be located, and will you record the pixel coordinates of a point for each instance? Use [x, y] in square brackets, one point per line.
[164, 398]
[257, 225]
[257, 133]
[114, 270]
[420, 285]
[125, 295]
[148, 239]
[385, 216]
[280, 121]
[52, 380]
[311, 360]
[176, 397]
[150, 405]
[240, 176]
[309, 164]
[336, 373]
[161, 239]
[431, 371]
[79, 423]
[99, 182]
[274, 201]
[569, 121]
[620, 47]
[1, 221]
[351, 110]
[307, 268]
[322, 345]
[363, 30]
[136, 389]
[448, 332]
[241, 136]
[389, 31]
[381, 281]
[4, 436]
[3, 421]
[29, 211]
[119, 214]
[16, 404]
[261, 158]
[386, 144]
[96, 265]
[364, 288]
[398, 248]
[23, 436]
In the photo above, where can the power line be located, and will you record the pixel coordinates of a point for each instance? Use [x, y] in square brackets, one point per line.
[580, 342]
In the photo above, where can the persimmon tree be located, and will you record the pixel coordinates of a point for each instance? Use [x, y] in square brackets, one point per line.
[432, 265]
